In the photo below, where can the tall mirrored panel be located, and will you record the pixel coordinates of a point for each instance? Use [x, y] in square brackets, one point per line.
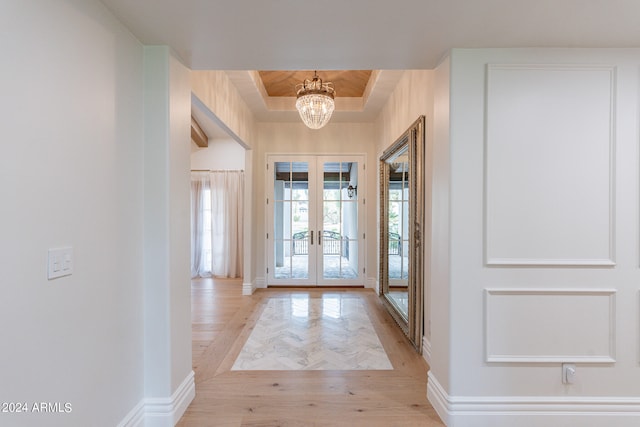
[401, 216]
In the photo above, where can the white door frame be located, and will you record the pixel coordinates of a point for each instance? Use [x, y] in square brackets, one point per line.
[315, 162]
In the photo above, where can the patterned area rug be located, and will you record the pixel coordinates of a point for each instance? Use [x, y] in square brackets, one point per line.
[302, 333]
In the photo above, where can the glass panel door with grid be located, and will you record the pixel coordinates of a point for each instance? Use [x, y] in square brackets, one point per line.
[291, 244]
[314, 221]
[339, 232]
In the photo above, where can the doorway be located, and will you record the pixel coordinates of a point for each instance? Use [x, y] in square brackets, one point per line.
[315, 221]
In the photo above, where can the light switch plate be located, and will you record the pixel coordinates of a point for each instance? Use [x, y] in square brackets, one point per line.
[60, 262]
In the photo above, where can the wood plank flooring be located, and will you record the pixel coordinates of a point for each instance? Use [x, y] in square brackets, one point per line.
[222, 321]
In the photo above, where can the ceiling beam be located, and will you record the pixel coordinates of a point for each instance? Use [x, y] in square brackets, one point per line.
[197, 134]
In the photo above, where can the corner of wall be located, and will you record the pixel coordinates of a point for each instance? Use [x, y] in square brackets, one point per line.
[259, 283]
[135, 418]
[248, 288]
[373, 283]
[162, 412]
[426, 350]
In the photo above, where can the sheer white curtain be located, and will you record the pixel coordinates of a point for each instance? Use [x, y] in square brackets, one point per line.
[200, 224]
[227, 197]
[216, 224]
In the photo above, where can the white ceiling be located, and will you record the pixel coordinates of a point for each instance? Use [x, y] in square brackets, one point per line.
[367, 34]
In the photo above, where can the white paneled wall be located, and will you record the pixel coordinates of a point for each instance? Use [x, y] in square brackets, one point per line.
[587, 336]
[536, 170]
[549, 164]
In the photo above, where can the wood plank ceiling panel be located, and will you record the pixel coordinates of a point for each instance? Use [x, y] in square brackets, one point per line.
[348, 83]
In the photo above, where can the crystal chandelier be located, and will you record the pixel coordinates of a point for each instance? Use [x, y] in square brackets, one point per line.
[315, 101]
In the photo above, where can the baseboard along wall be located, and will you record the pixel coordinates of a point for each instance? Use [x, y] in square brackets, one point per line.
[163, 411]
[532, 411]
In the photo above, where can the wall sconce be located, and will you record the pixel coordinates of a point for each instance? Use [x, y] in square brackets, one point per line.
[352, 191]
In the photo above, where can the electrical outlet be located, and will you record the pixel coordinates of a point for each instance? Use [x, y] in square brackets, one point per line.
[568, 373]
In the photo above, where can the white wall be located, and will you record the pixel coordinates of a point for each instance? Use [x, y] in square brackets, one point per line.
[221, 154]
[439, 274]
[217, 93]
[179, 318]
[296, 138]
[412, 97]
[169, 384]
[71, 117]
[540, 155]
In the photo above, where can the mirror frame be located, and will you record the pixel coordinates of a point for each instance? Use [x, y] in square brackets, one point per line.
[412, 325]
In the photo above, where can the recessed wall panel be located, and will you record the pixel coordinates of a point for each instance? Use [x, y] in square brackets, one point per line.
[550, 326]
[549, 165]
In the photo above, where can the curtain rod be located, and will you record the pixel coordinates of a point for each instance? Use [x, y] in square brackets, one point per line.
[217, 170]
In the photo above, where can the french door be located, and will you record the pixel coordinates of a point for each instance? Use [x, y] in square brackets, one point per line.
[315, 220]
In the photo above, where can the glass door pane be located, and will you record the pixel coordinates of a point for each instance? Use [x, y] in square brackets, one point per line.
[291, 233]
[339, 232]
[398, 224]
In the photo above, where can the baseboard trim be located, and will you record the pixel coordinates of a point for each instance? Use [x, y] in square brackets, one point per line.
[259, 283]
[165, 412]
[371, 283]
[426, 350]
[135, 418]
[248, 288]
[439, 398]
[532, 411]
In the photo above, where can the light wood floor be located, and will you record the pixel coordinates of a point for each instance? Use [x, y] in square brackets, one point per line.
[222, 321]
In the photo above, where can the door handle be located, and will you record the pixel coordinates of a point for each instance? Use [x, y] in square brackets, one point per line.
[312, 237]
[319, 237]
